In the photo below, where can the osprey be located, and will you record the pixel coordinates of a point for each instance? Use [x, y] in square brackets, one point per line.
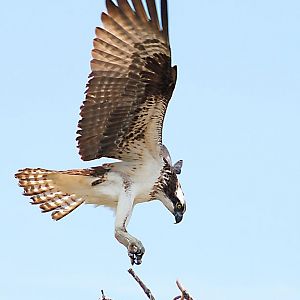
[128, 91]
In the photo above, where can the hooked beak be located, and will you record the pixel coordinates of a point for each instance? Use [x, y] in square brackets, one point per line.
[178, 217]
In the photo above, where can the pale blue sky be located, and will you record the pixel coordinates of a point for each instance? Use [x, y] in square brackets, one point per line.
[234, 119]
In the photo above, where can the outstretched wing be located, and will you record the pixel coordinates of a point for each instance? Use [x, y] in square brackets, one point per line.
[130, 84]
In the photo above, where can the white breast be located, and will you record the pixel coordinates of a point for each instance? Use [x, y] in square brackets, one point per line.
[141, 176]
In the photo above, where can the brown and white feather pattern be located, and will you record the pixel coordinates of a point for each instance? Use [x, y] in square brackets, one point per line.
[130, 84]
[56, 190]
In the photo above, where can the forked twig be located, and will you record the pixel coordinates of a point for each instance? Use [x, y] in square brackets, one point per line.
[103, 296]
[142, 285]
[184, 294]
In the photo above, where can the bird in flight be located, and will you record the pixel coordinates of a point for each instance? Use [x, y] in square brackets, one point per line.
[128, 91]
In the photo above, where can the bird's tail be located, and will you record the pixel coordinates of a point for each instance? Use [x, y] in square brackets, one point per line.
[51, 190]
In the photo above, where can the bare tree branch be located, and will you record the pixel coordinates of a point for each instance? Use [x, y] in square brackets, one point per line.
[184, 294]
[142, 285]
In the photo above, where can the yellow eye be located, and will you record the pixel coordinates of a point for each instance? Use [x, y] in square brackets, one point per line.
[179, 206]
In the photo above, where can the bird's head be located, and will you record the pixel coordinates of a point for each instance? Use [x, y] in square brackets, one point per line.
[170, 193]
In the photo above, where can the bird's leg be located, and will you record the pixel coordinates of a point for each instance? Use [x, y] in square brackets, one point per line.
[123, 214]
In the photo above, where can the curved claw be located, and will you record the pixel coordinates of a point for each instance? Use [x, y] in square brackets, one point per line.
[136, 253]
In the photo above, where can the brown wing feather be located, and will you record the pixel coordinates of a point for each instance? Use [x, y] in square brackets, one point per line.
[140, 11]
[153, 14]
[164, 19]
[130, 84]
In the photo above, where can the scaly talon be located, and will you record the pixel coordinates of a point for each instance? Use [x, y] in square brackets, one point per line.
[135, 253]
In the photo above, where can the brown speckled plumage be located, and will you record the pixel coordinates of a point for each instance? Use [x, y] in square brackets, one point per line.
[130, 84]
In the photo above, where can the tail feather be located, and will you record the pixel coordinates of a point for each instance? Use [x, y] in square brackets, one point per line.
[44, 191]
